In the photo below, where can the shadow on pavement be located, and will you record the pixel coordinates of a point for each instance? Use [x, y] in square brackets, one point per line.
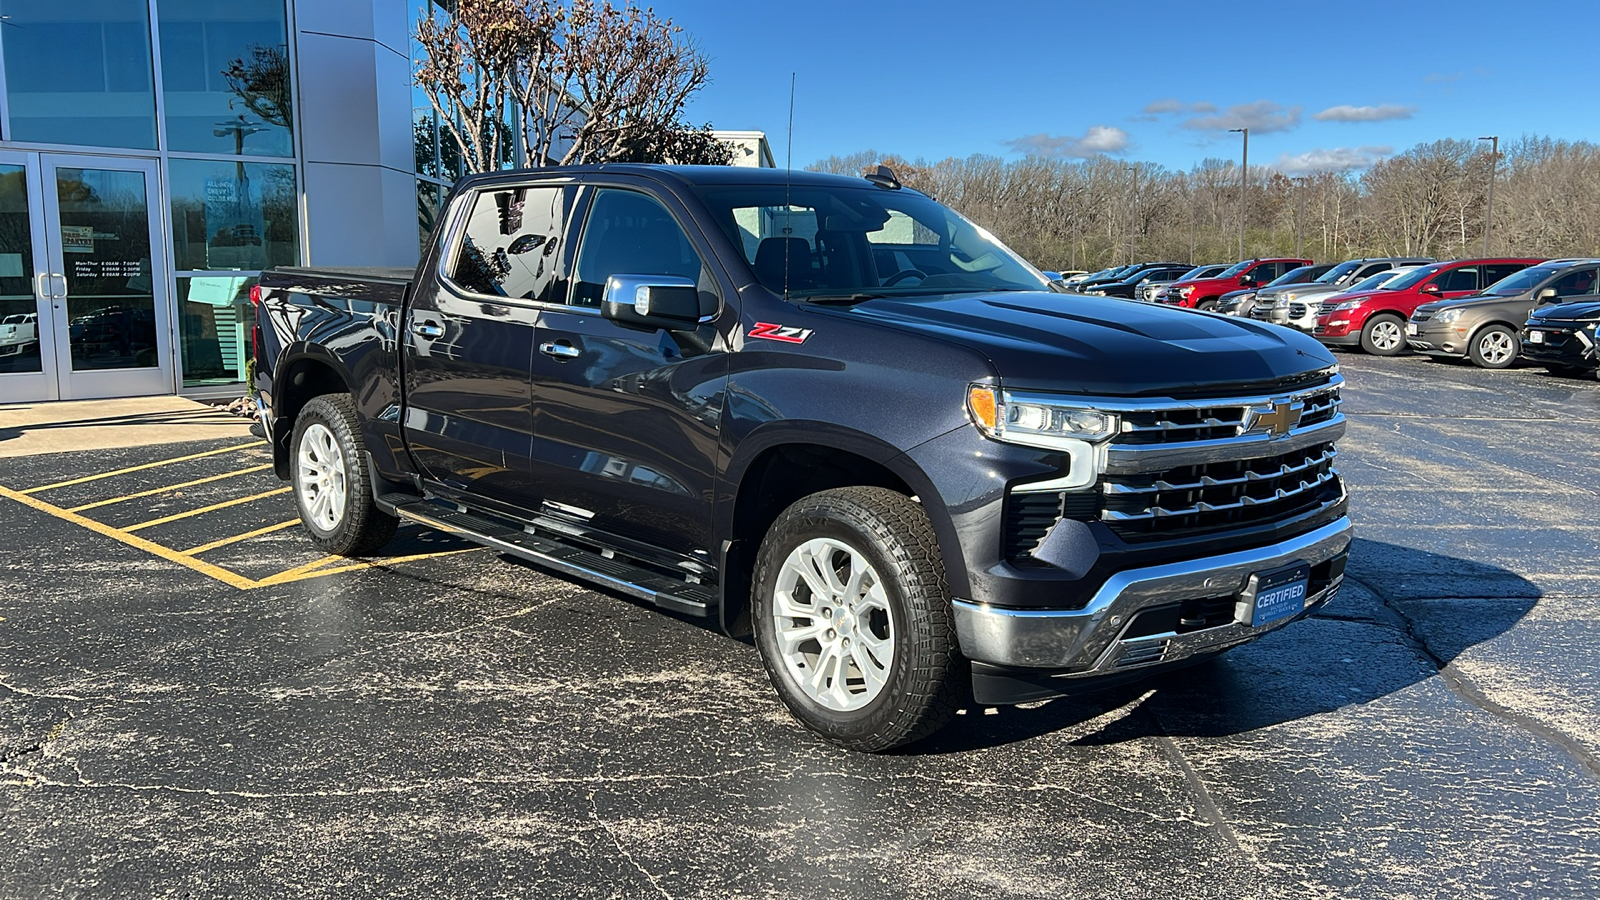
[1331, 660]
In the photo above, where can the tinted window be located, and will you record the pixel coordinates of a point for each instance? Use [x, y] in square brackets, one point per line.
[512, 243]
[1341, 274]
[1575, 284]
[1494, 273]
[629, 233]
[1373, 269]
[1458, 280]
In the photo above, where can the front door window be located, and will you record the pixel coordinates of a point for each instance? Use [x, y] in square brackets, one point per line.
[106, 266]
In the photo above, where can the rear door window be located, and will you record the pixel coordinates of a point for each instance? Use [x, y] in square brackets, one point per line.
[1463, 279]
[1493, 273]
[511, 244]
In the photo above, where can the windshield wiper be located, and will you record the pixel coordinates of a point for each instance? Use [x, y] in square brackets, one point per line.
[842, 299]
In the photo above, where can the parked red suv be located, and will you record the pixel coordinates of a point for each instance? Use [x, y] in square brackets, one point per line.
[1375, 320]
[1202, 293]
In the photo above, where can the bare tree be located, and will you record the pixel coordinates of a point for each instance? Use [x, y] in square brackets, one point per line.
[584, 82]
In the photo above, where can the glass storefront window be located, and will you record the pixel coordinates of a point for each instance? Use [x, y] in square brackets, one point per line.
[79, 72]
[225, 76]
[428, 201]
[19, 309]
[233, 215]
[214, 328]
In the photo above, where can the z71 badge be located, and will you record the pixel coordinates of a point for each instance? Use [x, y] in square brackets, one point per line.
[789, 334]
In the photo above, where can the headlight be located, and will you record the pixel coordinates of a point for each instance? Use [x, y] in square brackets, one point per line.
[1448, 316]
[1349, 304]
[1036, 420]
[1288, 298]
[1185, 292]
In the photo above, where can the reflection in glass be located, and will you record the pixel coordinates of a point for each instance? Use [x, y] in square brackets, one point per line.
[78, 72]
[19, 308]
[213, 324]
[105, 244]
[427, 209]
[225, 76]
[233, 215]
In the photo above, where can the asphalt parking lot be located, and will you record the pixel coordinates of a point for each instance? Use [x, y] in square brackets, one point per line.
[195, 702]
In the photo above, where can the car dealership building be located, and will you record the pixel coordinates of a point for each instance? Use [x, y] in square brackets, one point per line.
[156, 155]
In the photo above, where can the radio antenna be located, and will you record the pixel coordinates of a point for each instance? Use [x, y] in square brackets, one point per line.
[788, 191]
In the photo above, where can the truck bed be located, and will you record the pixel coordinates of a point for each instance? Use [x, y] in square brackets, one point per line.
[377, 284]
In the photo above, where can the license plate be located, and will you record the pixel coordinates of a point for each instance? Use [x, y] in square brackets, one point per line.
[1411, 328]
[1279, 594]
[1535, 337]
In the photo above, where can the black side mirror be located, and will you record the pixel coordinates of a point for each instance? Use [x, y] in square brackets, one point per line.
[653, 301]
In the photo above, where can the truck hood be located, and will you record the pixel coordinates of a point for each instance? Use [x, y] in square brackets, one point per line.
[1102, 346]
[1304, 289]
[1438, 306]
[1581, 311]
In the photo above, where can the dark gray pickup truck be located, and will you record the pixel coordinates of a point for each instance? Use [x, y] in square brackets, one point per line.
[825, 411]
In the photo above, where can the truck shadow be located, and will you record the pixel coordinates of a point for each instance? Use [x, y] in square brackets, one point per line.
[1402, 615]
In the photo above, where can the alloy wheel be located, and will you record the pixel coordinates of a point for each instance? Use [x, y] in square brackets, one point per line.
[834, 629]
[321, 477]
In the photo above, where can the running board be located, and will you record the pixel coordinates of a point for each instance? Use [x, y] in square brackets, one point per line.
[662, 590]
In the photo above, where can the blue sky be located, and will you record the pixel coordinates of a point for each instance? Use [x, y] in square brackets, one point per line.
[1321, 85]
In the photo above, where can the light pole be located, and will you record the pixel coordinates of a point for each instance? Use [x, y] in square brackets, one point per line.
[1494, 172]
[1244, 180]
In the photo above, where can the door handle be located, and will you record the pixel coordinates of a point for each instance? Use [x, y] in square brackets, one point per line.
[428, 330]
[562, 350]
[61, 294]
[41, 288]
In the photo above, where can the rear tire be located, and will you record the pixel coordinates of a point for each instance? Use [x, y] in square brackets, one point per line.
[332, 487]
[1494, 347]
[1209, 304]
[852, 618]
[1384, 335]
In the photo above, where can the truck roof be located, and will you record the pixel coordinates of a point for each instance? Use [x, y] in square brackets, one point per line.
[690, 175]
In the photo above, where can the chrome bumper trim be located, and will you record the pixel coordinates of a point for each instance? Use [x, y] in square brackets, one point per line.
[1089, 639]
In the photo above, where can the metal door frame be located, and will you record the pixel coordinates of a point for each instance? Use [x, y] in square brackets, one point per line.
[21, 387]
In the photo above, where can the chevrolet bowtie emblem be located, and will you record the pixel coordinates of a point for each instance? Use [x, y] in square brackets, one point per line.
[1277, 420]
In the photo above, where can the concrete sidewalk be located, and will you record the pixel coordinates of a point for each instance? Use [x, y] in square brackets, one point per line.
[28, 429]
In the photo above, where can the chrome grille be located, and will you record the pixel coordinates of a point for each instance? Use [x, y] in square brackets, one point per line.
[1220, 494]
[1297, 310]
[1421, 316]
[1208, 423]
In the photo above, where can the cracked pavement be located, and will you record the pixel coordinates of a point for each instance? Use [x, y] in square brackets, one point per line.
[467, 725]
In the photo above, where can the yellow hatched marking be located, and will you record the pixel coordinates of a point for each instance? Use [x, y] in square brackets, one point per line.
[293, 575]
[205, 509]
[203, 548]
[132, 540]
[164, 462]
[174, 487]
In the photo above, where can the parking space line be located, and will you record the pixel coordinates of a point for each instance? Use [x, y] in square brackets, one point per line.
[118, 534]
[294, 575]
[171, 487]
[205, 509]
[87, 478]
[205, 548]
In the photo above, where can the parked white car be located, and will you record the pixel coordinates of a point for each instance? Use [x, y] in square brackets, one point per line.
[18, 332]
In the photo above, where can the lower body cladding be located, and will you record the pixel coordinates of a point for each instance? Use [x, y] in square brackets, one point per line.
[1144, 620]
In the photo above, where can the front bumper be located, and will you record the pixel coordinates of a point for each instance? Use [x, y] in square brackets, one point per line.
[1101, 639]
[1435, 339]
[1561, 345]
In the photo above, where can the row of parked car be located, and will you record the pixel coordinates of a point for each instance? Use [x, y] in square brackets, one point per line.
[1491, 311]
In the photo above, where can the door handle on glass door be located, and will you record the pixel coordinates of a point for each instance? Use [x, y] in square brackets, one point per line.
[561, 350]
[61, 294]
[428, 330]
[42, 287]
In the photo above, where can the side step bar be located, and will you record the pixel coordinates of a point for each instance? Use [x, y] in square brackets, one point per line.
[662, 590]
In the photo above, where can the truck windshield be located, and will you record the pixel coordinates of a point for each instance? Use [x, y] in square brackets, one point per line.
[1200, 272]
[1236, 268]
[815, 242]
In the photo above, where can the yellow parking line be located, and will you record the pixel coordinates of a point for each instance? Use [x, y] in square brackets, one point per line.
[204, 548]
[315, 570]
[118, 534]
[172, 487]
[205, 509]
[62, 484]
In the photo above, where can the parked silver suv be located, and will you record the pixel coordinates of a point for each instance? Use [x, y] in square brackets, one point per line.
[1484, 328]
[1296, 305]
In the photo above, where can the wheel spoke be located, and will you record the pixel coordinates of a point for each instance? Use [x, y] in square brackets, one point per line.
[787, 607]
[870, 672]
[793, 637]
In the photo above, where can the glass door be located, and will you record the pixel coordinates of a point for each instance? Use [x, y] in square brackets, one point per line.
[27, 363]
[106, 279]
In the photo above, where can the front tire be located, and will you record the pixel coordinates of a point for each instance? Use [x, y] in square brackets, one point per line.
[1494, 347]
[332, 488]
[1209, 304]
[1384, 335]
[852, 618]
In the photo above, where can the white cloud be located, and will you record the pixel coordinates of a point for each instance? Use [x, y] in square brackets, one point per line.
[1262, 117]
[1444, 77]
[1365, 113]
[1169, 105]
[1334, 159]
[1097, 141]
